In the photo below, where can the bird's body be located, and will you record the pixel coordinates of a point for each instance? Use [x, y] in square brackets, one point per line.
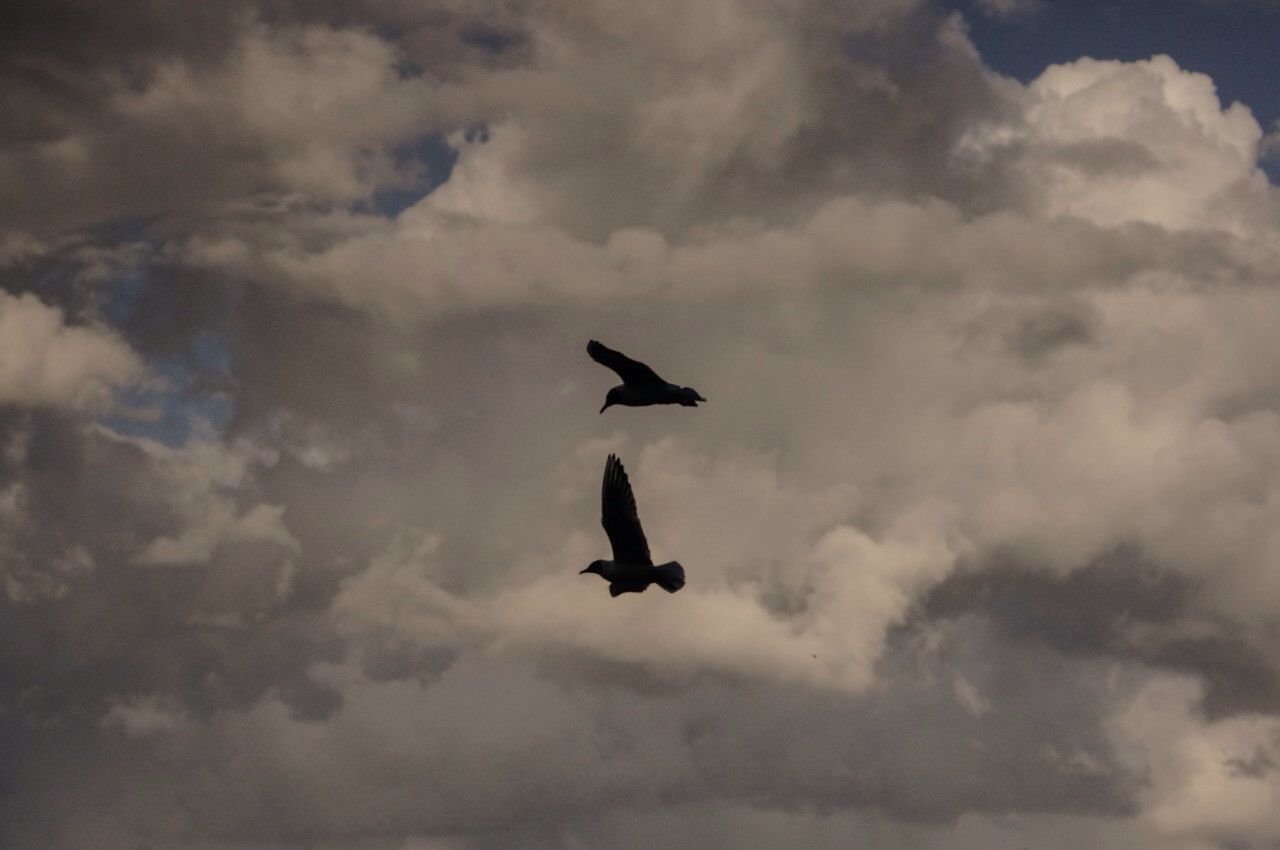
[632, 569]
[641, 386]
[643, 397]
[636, 578]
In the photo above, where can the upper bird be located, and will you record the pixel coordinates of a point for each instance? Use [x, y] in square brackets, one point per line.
[640, 386]
[631, 570]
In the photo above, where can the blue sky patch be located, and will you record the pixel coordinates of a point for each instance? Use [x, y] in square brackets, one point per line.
[430, 158]
[188, 400]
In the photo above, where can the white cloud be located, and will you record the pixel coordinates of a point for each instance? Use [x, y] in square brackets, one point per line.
[1115, 142]
[1214, 782]
[203, 478]
[46, 362]
[1007, 8]
[852, 587]
[144, 717]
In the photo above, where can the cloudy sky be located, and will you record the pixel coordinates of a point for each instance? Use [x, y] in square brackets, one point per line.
[300, 457]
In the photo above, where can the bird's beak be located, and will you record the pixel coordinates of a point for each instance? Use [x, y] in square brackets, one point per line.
[606, 404]
[587, 570]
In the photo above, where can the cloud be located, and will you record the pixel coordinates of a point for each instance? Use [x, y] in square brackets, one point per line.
[1008, 8]
[1198, 788]
[275, 110]
[985, 487]
[1120, 607]
[1147, 141]
[594, 748]
[47, 362]
[847, 612]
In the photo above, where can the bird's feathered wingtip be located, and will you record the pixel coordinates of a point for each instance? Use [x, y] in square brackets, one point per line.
[614, 471]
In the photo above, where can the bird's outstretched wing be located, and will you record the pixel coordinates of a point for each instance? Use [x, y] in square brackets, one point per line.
[632, 372]
[619, 518]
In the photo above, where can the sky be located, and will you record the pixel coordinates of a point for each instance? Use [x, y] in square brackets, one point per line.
[300, 455]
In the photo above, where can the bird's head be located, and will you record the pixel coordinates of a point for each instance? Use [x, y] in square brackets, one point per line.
[614, 396]
[689, 397]
[593, 567]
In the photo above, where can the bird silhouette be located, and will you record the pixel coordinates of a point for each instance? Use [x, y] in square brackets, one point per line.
[640, 386]
[632, 569]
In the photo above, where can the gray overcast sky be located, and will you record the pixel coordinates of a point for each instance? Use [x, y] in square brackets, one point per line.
[300, 458]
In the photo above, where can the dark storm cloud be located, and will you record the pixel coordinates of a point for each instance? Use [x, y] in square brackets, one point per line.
[590, 748]
[1259, 764]
[144, 109]
[114, 614]
[1121, 606]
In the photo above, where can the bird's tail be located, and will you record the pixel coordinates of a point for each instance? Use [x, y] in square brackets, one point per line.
[670, 576]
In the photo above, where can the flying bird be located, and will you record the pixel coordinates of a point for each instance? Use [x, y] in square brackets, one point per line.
[640, 386]
[631, 570]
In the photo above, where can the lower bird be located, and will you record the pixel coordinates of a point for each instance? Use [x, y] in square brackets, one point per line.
[632, 569]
